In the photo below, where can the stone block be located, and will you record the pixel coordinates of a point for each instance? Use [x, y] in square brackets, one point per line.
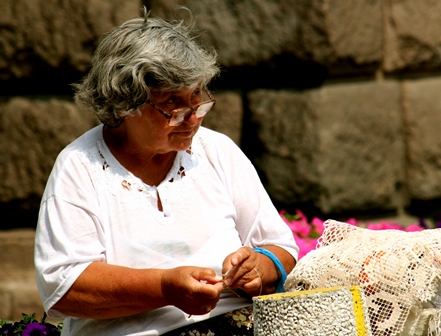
[252, 31]
[17, 255]
[422, 127]
[226, 116]
[18, 288]
[361, 152]
[51, 34]
[285, 128]
[22, 298]
[346, 36]
[243, 32]
[335, 146]
[6, 304]
[32, 133]
[412, 35]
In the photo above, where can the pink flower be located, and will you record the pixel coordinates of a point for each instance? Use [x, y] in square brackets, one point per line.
[352, 221]
[300, 228]
[317, 224]
[302, 216]
[305, 245]
[383, 225]
[413, 228]
[298, 223]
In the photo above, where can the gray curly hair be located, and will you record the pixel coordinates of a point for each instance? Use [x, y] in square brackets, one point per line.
[140, 55]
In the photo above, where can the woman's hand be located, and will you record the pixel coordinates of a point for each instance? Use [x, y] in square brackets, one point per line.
[194, 290]
[243, 269]
[106, 291]
[253, 272]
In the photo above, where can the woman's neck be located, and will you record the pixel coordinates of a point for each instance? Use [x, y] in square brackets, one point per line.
[150, 167]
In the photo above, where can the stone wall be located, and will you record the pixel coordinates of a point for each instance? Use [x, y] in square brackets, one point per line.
[335, 102]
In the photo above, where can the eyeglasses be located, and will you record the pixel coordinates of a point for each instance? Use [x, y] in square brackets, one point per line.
[177, 116]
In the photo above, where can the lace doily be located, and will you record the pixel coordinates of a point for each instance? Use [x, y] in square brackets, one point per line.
[399, 271]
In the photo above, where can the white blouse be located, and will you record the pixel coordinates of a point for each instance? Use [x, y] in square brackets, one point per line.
[93, 209]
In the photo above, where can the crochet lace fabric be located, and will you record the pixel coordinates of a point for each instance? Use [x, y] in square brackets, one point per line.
[399, 271]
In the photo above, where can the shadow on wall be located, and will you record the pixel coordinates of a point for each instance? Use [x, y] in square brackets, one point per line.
[281, 71]
[18, 213]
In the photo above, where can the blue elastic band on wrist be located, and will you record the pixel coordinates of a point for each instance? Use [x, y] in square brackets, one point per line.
[278, 265]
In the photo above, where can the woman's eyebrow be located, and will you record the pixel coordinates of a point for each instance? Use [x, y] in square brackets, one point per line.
[162, 95]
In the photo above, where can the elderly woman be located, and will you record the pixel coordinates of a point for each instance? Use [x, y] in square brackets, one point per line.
[151, 224]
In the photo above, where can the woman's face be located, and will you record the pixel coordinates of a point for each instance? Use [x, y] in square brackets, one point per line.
[150, 130]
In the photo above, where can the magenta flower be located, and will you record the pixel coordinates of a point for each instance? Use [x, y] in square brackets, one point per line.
[413, 228]
[305, 233]
[305, 245]
[383, 225]
[300, 228]
[317, 224]
[352, 221]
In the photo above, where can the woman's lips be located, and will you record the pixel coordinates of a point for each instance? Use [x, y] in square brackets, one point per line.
[184, 133]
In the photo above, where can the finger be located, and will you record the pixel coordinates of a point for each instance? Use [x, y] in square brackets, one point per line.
[243, 276]
[213, 279]
[206, 275]
[238, 271]
[255, 286]
[231, 272]
[210, 291]
[232, 275]
[203, 273]
[236, 258]
[252, 285]
[241, 255]
[232, 260]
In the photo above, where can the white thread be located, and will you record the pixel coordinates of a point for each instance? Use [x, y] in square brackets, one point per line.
[258, 274]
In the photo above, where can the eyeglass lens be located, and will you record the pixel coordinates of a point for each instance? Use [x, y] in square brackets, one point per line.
[179, 115]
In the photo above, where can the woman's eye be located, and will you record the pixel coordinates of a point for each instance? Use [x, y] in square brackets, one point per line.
[171, 100]
[196, 97]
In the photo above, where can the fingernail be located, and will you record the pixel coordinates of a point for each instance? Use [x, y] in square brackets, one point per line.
[218, 278]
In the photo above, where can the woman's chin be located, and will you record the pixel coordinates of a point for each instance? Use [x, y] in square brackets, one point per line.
[183, 145]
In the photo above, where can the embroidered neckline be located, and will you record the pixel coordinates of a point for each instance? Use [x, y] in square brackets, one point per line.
[175, 191]
[184, 161]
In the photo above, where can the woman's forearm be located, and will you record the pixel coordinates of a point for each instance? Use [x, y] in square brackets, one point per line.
[110, 291]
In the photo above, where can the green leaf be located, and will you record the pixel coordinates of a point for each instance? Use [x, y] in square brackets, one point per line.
[314, 234]
[3, 322]
[291, 217]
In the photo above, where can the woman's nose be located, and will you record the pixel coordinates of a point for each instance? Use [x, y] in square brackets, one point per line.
[191, 118]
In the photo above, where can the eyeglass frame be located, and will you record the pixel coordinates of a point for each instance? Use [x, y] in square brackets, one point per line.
[169, 116]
